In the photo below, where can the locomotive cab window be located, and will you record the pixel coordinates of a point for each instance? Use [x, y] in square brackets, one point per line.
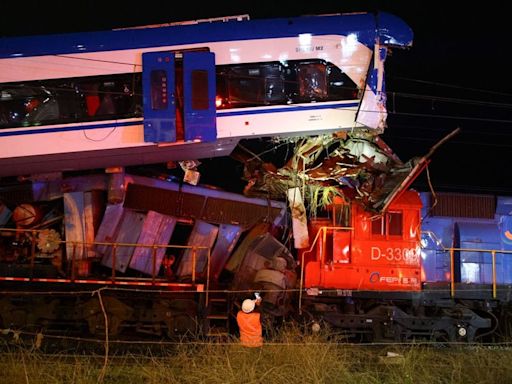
[389, 224]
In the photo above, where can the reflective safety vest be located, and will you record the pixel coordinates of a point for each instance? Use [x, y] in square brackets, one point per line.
[250, 329]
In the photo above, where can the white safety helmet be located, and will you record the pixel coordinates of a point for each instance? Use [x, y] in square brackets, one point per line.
[248, 305]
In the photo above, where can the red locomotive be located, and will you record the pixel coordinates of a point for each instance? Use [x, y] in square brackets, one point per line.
[372, 252]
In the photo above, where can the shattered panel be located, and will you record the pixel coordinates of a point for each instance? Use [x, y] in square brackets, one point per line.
[156, 230]
[204, 235]
[226, 240]
[108, 228]
[128, 233]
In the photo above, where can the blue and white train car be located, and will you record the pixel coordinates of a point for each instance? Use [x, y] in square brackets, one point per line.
[192, 90]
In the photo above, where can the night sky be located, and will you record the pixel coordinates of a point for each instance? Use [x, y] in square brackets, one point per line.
[457, 73]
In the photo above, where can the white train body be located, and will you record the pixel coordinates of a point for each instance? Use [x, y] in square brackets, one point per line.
[48, 145]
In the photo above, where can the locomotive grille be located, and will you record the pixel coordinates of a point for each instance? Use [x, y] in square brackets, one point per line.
[458, 205]
[211, 209]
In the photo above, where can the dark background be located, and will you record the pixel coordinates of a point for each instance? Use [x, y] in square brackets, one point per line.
[457, 74]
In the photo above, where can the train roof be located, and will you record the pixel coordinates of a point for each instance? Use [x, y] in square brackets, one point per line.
[369, 28]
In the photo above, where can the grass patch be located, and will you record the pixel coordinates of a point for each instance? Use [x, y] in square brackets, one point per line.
[288, 357]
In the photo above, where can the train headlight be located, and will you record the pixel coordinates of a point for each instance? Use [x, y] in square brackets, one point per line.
[462, 331]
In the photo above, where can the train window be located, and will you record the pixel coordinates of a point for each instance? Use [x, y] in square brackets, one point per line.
[341, 87]
[378, 226]
[27, 104]
[394, 220]
[112, 96]
[295, 81]
[389, 224]
[251, 85]
[70, 100]
[199, 90]
[312, 79]
[317, 80]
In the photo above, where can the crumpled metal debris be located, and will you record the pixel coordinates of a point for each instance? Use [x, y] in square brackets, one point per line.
[358, 167]
[355, 167]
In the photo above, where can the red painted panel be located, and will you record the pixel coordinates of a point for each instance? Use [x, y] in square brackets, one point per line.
[364, 261]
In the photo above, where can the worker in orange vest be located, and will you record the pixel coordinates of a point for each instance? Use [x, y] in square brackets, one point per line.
[249, 323]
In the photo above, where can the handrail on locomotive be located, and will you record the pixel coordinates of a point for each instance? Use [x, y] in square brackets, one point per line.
[154, 247]
[322, 232]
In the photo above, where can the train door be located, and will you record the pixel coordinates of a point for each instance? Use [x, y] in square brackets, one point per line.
[179, 96]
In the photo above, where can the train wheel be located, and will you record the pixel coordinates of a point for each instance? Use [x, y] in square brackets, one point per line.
[116, 312]
[96, 324]
[181, 324]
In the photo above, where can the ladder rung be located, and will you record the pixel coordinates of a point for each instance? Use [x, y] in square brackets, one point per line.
[217, 299]
[219, 317]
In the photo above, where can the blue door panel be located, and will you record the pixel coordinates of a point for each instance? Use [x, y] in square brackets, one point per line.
[158, 79]
[199, 95]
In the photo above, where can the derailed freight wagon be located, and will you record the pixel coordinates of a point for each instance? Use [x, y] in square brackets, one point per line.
[160, 256]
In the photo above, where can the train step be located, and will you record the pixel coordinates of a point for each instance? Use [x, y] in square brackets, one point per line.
[217, 300]
[216, 322]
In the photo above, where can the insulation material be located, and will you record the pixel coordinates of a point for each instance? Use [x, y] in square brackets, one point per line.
[156, 230]
[364, 150]
[226, 240]
[129, 230]
[204, 235]
[108, 228]
[299, 220]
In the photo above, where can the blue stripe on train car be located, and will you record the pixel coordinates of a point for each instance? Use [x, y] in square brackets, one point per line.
[390, 30]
